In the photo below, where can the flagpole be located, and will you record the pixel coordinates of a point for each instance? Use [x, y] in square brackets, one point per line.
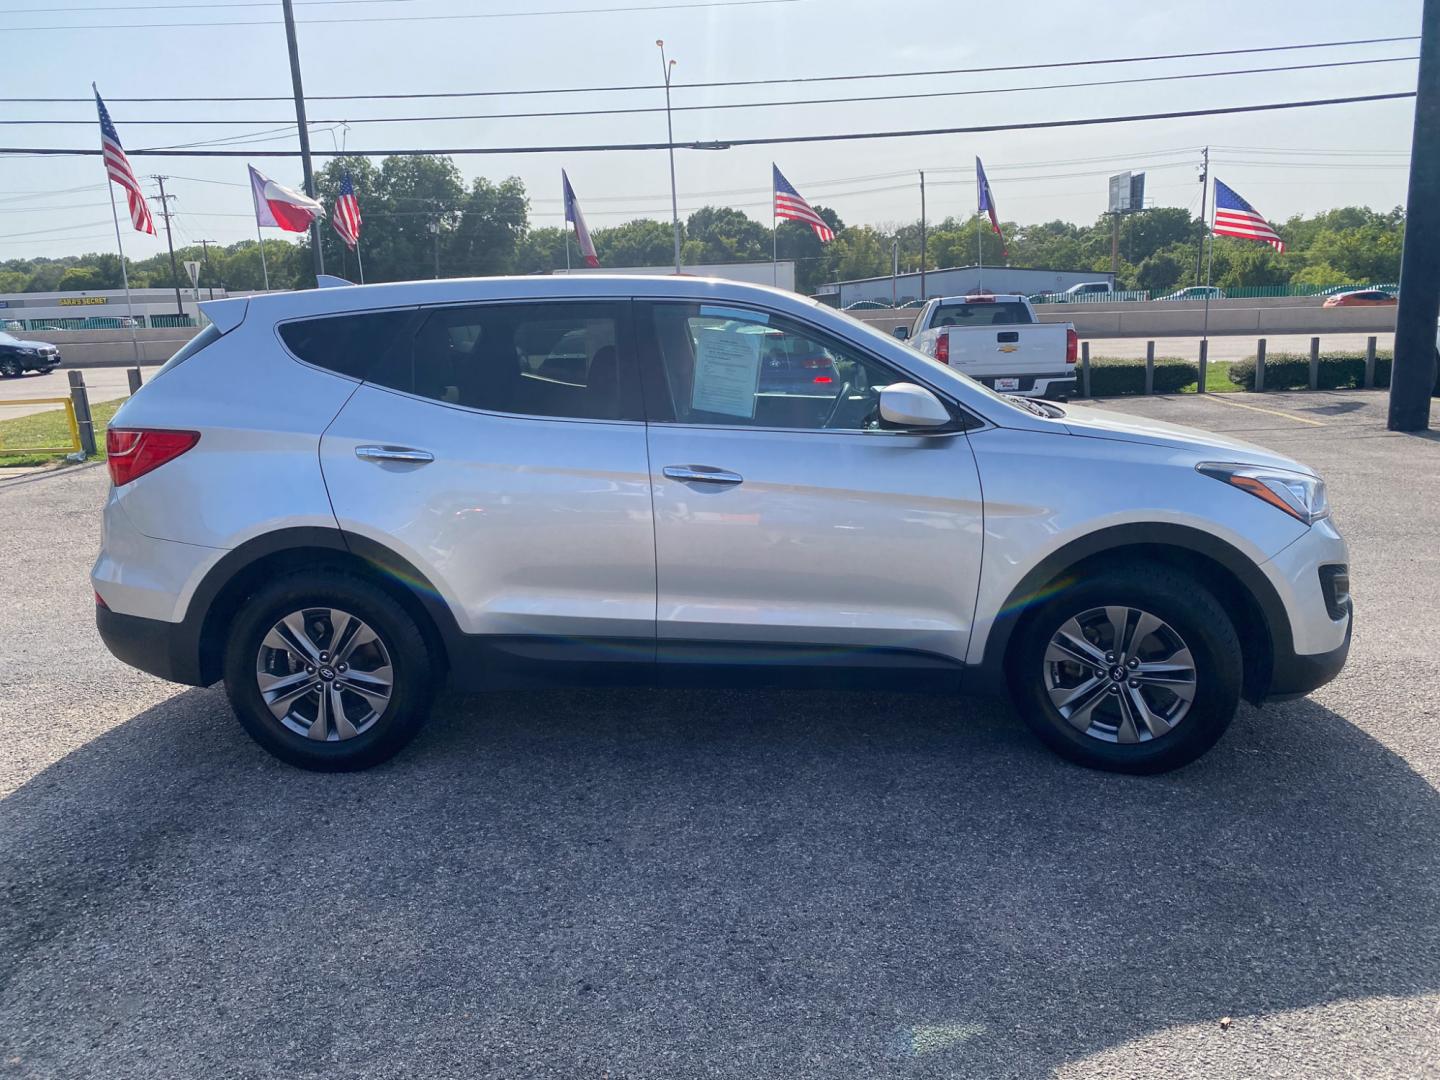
[264, 270]
[1209, 266]
[774, 242]
[359, 262]
[124, 274]
[979, 252]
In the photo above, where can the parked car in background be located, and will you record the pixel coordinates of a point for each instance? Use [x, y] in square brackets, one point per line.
[1088, 290]
[18, 356]
[1362, 298]
[997, 340]
[1197, 292]
[11, 324]
[451, 512]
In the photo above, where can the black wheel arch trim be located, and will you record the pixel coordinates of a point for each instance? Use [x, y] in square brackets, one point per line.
[1032, 588]
[199, 664]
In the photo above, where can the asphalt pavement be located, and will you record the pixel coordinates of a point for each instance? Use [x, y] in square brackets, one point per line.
[102, 383]
[729, 884]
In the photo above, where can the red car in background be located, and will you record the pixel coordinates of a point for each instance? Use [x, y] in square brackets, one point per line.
[1362, 298]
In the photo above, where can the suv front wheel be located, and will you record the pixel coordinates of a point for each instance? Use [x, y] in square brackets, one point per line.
[1137, 672]
[327, 671]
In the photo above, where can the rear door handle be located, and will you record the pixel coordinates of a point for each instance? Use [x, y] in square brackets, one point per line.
[405, 454]
[702, 474]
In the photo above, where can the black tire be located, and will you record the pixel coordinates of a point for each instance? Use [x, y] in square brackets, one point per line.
[11, 369]
[1193, 613]
[412, 685]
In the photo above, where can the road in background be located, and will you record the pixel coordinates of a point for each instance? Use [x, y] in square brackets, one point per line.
[103, 384]
[649, 884]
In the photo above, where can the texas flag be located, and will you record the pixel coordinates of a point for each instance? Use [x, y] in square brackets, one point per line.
[573, 216]
[278, 207]
[986, 201]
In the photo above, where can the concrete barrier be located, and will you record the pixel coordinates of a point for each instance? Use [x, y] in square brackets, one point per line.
[1175, 318]
[112, 348]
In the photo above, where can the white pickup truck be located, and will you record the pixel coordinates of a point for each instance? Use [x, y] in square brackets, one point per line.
[997, 340]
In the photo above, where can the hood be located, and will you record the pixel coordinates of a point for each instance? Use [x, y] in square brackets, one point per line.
[1092, 423]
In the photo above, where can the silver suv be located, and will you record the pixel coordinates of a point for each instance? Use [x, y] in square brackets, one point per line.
[336, 500]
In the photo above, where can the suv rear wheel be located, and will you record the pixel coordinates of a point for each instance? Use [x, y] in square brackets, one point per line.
[1137, 672]
[327, 671]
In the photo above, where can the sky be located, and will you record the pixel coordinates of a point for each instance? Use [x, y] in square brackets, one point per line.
[1299, 161]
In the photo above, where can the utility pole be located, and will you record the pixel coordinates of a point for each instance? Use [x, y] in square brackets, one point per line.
[1115, 243]
[304, 128]
[1204, 182]
[435, 236]
[170, 242]
[666, 66]
[1412, 379]
[209, 281]
[922, 235]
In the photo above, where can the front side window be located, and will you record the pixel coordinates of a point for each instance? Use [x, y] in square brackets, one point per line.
[732, 366]
[559, 359]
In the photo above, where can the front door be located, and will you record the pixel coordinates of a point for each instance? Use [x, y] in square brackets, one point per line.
[786, 520]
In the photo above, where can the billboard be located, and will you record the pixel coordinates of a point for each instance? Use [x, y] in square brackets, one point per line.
[1127, 193]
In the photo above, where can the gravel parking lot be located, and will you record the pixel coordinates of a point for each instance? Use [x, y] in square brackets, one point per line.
[729, 884]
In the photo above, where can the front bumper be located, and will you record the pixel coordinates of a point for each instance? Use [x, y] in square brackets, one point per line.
[1296, 674]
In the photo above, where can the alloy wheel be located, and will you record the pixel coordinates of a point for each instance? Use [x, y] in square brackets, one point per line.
[324, 674]
[1119, 674]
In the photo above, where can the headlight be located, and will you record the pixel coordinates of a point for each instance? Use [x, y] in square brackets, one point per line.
[1300, 495]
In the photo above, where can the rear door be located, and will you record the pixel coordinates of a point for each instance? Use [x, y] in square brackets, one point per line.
[500, 450]
[788, 525]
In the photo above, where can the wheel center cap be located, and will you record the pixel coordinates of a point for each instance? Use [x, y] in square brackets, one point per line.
[327, 673]
[1117, 674]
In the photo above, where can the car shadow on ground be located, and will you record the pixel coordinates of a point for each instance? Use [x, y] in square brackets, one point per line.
[663, 884]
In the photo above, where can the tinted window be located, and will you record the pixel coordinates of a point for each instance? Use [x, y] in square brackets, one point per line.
[970, 314]
[555, 359]
[349, 345]
[728, 366]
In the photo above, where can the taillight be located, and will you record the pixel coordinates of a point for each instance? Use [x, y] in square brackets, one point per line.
[942, 348]
[133, 452]
[822, 379]
[1072, 346]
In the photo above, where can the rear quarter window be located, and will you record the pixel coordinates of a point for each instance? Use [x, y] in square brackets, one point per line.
[349, 345]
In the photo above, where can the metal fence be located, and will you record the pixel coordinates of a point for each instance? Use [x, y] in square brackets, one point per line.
[1248, 292]
[99, 322]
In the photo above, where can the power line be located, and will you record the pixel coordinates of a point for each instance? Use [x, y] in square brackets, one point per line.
[725, 144]
[743, 104]
[665, 8]
[196, 7]
[748, 82]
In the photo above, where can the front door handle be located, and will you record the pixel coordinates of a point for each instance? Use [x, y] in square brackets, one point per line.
[405, 454]
[702, 474]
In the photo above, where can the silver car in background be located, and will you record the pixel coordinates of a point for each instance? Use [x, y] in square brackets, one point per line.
[336, 500]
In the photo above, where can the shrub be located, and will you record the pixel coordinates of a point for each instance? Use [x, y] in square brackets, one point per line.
[1291, 371]
[1116, 376]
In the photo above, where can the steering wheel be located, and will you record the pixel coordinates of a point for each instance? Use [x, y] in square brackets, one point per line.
[835, 409]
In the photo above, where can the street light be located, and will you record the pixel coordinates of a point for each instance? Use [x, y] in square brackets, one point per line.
[665, 67]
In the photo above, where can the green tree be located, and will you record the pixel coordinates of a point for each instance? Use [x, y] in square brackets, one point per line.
[493, 218]
[642, 242]
[720, 234]
[1159, 273]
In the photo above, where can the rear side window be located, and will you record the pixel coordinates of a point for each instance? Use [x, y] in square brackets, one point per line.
[568, 359]
[205, 337]
[349, 345]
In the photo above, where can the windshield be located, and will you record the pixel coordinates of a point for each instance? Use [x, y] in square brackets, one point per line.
[8, 339]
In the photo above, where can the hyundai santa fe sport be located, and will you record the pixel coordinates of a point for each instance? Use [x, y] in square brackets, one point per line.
[336, 501]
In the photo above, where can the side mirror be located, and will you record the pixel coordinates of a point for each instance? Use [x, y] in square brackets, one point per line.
[901, 332]
[905, 405]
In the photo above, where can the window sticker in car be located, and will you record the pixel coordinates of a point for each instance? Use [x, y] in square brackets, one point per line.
[727, 372]
[734, 313]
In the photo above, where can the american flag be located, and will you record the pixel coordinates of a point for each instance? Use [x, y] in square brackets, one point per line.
[346, 218]
[118, 166]
[790, 206]
[1236, 217]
